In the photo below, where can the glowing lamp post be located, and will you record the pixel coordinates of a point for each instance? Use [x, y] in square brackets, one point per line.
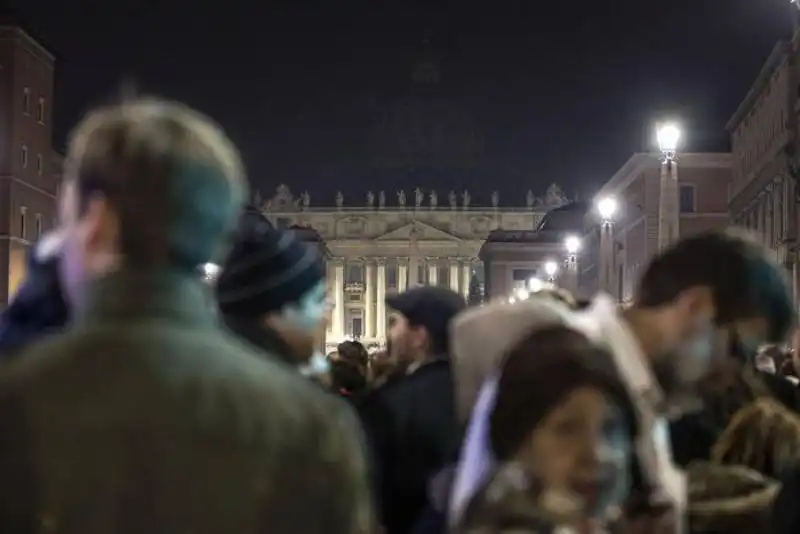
[669, 137]
[572, 244]
[551, 269]
[607, 208]
[211, 270]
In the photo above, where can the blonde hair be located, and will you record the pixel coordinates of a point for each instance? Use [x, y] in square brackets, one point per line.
[174, 179]
[763, 436]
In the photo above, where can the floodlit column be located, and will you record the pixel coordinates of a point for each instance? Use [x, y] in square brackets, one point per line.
[668, 201]
[454, 275]
[369, 304]
[668, 206]
[338, 302]
[466, 278]
[402, 275]
[433, 273]
[380, 314]
[608, 270]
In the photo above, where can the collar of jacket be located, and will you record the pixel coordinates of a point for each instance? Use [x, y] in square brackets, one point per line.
[423, 364]
[126, 294]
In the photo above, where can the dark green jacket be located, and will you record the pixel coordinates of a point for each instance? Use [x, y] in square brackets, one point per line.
[146, 418]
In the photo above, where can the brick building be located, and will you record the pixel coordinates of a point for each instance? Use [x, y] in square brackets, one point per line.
[703, 181]
[764, 141]
[29, 167]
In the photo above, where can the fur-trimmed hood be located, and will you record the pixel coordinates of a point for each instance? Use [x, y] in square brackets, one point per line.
[480, 337]
[729, 499]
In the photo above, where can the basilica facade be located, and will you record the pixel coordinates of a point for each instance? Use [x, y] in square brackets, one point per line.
[392, 242]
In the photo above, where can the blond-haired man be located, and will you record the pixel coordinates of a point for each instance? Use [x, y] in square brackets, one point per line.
[145, 416]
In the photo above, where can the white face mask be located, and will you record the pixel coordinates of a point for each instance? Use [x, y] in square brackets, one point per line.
[317, 365]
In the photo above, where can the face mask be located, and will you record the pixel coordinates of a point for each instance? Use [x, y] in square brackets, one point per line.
[696, 353]
[309, 312]
[317, 365]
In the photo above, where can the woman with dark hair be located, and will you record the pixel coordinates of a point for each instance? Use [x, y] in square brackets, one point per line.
[558, 435]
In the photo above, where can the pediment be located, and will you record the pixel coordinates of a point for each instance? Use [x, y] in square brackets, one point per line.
[419, 231]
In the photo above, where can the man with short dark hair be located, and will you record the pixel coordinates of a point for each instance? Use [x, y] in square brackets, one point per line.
[411, 420]
[694, 300]
[146, 416]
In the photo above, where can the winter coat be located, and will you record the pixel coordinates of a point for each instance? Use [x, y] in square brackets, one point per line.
[729, 500]
[146, 416]
[410, 424]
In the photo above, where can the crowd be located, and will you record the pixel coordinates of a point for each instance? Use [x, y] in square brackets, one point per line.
[137, 397]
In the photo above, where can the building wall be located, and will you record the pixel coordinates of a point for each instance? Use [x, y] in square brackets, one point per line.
[505, 264]
[28, 169]
[636, 186]
[376, 250]
[763, 138]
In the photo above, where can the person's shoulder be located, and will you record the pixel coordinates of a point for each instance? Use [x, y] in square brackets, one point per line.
[37, 359]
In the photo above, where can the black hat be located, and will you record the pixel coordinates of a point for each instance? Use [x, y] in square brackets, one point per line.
[267, 269]
[431, 307]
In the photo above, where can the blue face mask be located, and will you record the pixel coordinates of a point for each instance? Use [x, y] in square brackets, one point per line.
[309, 312]
[317, 365]
[614, 453]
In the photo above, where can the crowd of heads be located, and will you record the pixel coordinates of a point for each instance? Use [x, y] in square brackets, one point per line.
[153, 185]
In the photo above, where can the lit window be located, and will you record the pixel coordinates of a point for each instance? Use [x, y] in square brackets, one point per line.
[40, 111]
[39, 225]
[23, 157]
[26, 100]
[23, 222]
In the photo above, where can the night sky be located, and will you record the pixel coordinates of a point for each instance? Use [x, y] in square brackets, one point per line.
[558, 91]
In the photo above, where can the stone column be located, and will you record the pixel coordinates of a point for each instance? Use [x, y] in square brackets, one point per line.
[380, 314]
[668, 205]
[608, 264]
[402, 275]
[338, 301]
[466, 277]
[369, 305]
[433, 273]
[454, 275]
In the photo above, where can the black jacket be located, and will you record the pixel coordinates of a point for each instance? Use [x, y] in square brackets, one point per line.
[411, 427]
[38, 308]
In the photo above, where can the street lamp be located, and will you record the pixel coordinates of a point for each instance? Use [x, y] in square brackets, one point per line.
[572, 244]
[607, 208]
[668, 137]
[211, 270]
[550, 268]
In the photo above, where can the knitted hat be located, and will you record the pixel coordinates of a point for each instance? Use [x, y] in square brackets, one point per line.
[267, 269]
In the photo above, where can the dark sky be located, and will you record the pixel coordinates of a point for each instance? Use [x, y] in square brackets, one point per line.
[560, 91]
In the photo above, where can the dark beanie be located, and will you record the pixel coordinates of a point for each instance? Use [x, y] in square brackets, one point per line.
[266, 270]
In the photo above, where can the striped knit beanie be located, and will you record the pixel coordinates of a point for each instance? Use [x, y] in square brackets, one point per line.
[266, 270]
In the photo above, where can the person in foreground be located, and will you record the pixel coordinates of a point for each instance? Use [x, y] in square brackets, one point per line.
[146, 416]
[695, 299]
[560, 430]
